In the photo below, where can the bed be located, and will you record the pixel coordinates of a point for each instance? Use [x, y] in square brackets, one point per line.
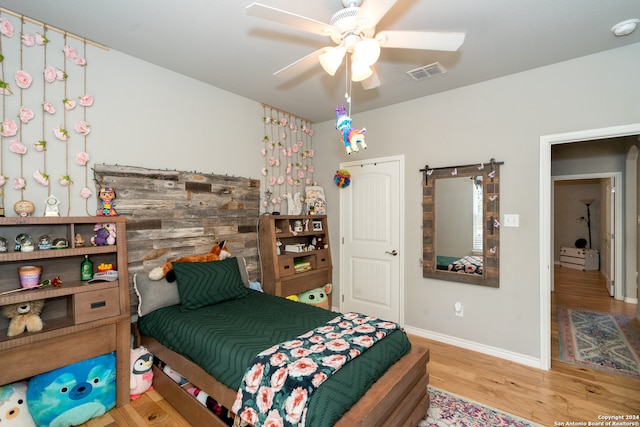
[386, 385]
[468, 264]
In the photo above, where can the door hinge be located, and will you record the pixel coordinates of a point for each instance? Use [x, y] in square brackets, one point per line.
[342, 297]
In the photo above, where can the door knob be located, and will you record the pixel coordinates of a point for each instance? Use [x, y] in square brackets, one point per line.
[393, 252]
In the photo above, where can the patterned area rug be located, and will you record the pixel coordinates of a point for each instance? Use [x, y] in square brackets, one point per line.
[600, 341]
[450, 410]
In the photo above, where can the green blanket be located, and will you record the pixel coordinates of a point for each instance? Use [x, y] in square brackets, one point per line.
[224, 338]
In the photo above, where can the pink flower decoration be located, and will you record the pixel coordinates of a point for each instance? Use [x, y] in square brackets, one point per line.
[70, 53]
[264, 171]
[61, 75]
[289, 152]
[81, 61]
[85, 193]
[263, 152]
[6, 29]
[69, 104]
[282, 122]
[293, 127]
[40, 146]
[86, 100]
[49, 108]
[310, 153]
[310, 132]
[26, 114]
[283, 135]
[82, 158]
[272, 180]
[310, 169]
[61, 133]
[50, 74]
[280, 180]
[3, 180]
[289, 180]
[65, 180]
[41, 39]
[272, 161]
[300, 174]
[17, 147]
[295, 148]
[41, 178]
[308, 181]
[19, 183]
[28, 40]
[9, 128]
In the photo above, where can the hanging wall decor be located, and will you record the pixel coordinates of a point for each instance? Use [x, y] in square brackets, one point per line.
[45, 128]
[287, 148]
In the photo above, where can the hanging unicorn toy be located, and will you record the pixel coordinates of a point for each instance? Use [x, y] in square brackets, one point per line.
[350, 137]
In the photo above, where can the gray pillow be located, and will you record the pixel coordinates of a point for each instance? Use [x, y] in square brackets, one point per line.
[154, 294]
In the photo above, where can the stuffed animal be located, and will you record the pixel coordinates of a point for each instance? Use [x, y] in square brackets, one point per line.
[218, 251]
[75, 393]
[105, 234]
[350, 137]
[141, 372]
[317, 297]
[14, 410]
[23, 316]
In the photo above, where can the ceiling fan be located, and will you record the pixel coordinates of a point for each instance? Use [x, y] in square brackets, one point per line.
[353, 30]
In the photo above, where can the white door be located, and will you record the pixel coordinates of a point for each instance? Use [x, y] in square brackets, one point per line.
[371, 252]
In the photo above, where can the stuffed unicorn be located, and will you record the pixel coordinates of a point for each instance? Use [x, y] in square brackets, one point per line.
[350, 137]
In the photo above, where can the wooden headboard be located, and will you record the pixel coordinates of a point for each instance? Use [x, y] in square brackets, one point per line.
[172, 214]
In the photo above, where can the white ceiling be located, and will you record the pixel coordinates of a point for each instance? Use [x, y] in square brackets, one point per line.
[215, 42]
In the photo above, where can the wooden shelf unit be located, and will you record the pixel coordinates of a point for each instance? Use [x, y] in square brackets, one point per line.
[81, 320]
[279, 276]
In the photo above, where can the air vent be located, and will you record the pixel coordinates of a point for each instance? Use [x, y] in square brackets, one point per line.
[426, 71]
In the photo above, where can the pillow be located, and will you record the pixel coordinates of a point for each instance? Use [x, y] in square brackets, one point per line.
[207, 283]
[154, 294]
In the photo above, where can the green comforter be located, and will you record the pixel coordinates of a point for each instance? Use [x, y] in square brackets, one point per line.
[224, 338]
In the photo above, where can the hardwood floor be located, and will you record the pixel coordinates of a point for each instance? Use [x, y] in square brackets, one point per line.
[566, 393]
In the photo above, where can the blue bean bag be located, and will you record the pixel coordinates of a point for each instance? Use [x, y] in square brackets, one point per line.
[73, 394]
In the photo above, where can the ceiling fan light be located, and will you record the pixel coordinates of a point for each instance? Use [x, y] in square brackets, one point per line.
[331, 59]
[360, 71]
[367, 50]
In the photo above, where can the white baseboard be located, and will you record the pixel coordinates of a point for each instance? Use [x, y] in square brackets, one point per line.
[474, 346]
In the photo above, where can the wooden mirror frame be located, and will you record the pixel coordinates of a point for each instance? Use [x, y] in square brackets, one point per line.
[491, 231]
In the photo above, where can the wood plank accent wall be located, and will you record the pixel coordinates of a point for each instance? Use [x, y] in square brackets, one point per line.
[171, 214]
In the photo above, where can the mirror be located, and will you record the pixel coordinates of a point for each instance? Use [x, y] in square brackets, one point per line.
[461, 224]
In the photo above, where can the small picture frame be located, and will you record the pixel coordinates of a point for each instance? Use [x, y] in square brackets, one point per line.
[316, 225]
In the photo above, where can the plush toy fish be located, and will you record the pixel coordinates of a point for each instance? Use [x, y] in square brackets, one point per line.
[141, 373]
[13, 406]
[73, 394]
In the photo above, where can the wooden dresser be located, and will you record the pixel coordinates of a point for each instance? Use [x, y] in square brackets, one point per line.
[81, 320]
[580, 259]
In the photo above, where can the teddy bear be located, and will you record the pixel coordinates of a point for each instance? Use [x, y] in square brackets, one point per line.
[23, 316]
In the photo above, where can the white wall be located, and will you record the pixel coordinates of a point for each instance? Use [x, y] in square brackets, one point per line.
[151, 117]
[504, 119]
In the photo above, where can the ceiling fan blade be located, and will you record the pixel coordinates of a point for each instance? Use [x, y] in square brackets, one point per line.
[300, 66]
[372, 81]
[424, 40]
[287, 18]
[372, 11]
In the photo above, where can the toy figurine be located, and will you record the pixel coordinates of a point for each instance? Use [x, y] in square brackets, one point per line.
[106, 197]
[350, 137]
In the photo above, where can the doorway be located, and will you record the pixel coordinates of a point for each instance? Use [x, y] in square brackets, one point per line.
[371, 230]
[546, 259]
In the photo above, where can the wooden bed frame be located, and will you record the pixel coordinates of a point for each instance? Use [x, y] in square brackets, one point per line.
[398, 398]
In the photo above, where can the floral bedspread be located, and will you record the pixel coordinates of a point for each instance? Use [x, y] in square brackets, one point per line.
[279, 382]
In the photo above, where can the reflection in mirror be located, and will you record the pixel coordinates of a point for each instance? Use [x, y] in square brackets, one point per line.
[461, 224]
